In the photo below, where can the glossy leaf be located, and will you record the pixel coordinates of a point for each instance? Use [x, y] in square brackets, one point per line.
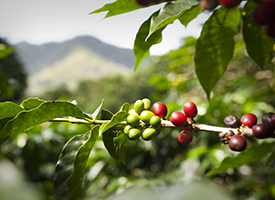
[115, 120]
[65, 167]
[43, 113]
[106, 114]
[74, 182]
[9, 109]
[97, 112]
[173, 11]
[142, 43]
[118, 7]
[31, 103]
[250, 155]
[114, 142]
[215, 46]
[125, 107]
[259, 46]
[189, 15]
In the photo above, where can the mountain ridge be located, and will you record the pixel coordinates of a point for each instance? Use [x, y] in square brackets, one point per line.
[36, 57]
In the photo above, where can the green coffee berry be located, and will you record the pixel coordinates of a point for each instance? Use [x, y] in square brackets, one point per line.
[146, 115]
[149, 133]
[133, 112]
[127, 129]
[133, 120]
[134, 134]
[147, 103]
[155, 121]
[139, 106]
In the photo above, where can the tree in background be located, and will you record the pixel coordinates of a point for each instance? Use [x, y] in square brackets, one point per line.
[12, 74]
[140, 150]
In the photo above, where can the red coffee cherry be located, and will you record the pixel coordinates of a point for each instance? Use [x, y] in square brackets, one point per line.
[232, 121]
[270, 29]
[144, 2]
[185, 137]
[178, 119]
[249, 120]
[159, 109]
[269, 119]
[237, 143]
[262, 131]
[190, 109]
[230, 3]
[261, 14]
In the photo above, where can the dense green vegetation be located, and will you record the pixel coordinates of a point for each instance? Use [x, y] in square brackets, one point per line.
[88, 158]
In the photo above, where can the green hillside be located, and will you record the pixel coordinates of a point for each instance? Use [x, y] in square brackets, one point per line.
[80, 64]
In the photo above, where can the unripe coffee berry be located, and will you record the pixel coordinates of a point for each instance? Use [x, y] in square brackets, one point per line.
[133, 120]
[149, 133]
[190, 109]
[147, 103]
[237, 143]
[178, 119]
[155, 122]
[159, 109]
[232, 121]
[134, 134]
[139, 106]
[146, 115]
[133, 112]
[185, 137]
[127, 129]
[262, 131]
[249, 120]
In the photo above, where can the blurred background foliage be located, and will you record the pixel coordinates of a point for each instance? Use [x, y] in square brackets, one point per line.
[161, 167]
[12, 74]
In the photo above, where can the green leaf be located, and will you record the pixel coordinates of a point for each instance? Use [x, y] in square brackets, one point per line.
[96, 113]
[271, 156]
[106, 114]
[65, 165]
[9, 109]
[259, 46]
[186, 11]
[74, 182]
[250, 155]
[44, 112]
[115, 120]
[142, 43]
[118, 7]
[190, 14]
[31, 103]
[215, 46]
[114, 141]
[125, 107]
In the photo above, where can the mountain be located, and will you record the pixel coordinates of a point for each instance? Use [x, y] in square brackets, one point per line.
[53, 64]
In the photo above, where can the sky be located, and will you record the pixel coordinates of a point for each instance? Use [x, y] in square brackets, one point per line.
[41, 21]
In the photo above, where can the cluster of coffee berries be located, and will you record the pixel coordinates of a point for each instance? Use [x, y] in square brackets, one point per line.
[237, 142]
[264, 15]
[180, 119]
[149, 2]
[143, 122]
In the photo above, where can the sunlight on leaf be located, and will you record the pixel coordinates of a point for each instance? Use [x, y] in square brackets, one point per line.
[118, 7]
[215, 46]
[250, 155]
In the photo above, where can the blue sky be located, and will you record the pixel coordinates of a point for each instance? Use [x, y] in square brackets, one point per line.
[40, 21]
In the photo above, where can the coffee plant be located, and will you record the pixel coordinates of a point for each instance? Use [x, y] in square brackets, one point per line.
[145, 120]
